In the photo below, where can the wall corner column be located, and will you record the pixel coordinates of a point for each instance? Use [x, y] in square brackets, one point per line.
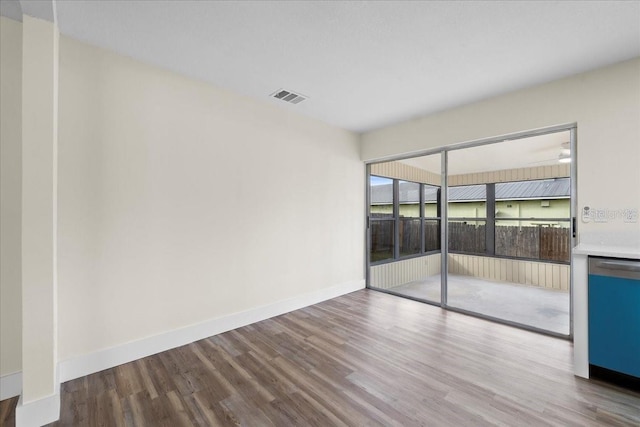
[40, 400]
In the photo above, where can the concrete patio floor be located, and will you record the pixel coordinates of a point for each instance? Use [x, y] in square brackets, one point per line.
[538, 307]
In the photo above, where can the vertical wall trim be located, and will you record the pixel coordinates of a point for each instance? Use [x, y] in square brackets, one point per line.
[490, 229]
[573, 145]
[444, 227]
[421, 213]
[39, 203]
[367, 222]
[396, 219]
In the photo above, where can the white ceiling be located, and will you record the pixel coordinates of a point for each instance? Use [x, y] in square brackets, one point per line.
[364, 64]
[534, 151]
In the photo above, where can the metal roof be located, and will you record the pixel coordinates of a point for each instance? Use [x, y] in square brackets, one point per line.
[556, 188]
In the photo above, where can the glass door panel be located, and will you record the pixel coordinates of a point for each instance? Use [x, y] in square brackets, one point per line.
[409, 215]
[404, 228]
[509, 233]
[381, 219]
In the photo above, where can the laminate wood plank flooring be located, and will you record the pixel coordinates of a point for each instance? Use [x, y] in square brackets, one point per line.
[363, 359]
[7, 412]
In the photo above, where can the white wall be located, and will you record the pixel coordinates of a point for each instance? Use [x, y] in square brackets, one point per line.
[159, 180]
[10, 196]
[605, 103]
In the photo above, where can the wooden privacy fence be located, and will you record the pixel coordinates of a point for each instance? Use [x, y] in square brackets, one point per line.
[381, 240]
[555, 243]
[467, 238]
[409, 235]
[531, 242]
[432, 235]
[518, 242]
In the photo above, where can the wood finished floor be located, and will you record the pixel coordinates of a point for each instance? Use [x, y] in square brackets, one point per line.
[366, 358]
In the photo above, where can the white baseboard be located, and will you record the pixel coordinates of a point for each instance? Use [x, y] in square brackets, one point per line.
[39, 412]
[108, 358]
[10, 385]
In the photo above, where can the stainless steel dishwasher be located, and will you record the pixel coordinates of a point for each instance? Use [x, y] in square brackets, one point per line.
[614, 320]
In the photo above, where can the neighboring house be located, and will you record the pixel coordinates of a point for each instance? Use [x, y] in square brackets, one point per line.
[534, 201]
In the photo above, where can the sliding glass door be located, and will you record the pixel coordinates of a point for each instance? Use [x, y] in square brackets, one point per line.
[508, 229]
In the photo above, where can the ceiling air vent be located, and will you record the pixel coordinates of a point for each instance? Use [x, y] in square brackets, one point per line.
[288, 96]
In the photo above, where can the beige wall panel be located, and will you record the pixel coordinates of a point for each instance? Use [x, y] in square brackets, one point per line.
[11, 196]
[532, 273]
[406, 172]
[508, 175]
[385, 276]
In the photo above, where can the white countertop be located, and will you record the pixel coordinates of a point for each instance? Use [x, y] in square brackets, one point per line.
[607, 250]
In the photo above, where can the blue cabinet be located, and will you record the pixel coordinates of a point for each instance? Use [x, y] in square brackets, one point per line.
[614, 315]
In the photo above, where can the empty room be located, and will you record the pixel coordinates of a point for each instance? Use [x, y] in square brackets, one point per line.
[319, 213]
